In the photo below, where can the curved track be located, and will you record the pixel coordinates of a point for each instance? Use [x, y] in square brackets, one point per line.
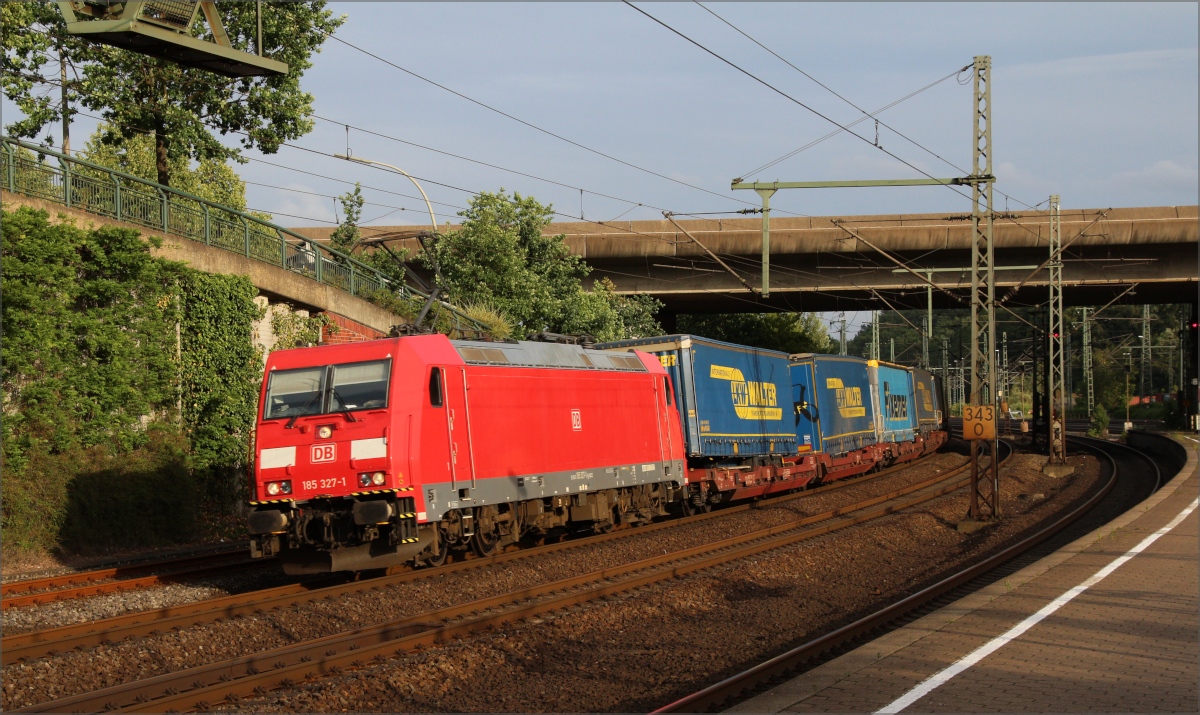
[1133, 476]
[199, 688]
[47, 642]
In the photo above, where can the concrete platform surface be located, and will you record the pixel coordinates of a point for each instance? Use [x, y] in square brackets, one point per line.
[1107, 624]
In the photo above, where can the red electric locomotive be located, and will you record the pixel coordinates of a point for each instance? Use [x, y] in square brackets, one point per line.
[397, 450]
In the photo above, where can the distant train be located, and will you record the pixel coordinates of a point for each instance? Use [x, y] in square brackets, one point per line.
[398, 450]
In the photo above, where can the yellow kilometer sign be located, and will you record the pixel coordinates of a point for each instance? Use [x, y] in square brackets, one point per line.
[979, 422]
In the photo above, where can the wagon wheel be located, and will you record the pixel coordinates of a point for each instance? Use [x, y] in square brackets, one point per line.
[484, 544]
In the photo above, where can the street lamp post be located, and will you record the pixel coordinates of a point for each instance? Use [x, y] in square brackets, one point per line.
[398, 170]
[433, 292]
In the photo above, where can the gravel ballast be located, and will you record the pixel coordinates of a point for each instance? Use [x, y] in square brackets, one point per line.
[750, 584]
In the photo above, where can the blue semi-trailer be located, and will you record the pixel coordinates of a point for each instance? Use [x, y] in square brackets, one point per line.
[734, 400]
[895, 413]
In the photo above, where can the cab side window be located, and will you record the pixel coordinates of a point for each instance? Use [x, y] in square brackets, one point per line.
[670, 392]
[435, 387]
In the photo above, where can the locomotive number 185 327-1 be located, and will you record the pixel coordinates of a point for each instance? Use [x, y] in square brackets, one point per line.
[330, 483]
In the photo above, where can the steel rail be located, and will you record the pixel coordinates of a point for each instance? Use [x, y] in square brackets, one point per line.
[732, 687]
[223, 565]
[80, 578]
[199, 687]
[36, 644]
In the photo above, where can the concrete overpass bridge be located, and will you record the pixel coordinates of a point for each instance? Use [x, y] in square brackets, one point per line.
[818, 263]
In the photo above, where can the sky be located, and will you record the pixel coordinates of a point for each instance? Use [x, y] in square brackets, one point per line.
[1096, 102]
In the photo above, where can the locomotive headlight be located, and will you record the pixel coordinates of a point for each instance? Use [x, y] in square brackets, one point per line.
[286, 486]
[378, 478]
[273, 488]
[324, 431]
[364, 480]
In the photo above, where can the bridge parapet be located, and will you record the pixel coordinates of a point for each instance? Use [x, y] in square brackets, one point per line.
[83, 186]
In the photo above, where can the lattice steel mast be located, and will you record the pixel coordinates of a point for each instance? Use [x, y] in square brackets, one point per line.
[985, 468]
[1056, 387]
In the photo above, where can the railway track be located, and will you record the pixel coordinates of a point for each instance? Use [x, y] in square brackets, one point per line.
[37, 644]
[202, 687]
[32, 592]
[1133, 476]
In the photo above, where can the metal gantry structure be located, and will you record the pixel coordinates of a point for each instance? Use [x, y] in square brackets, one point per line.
[1145, 381]
[875, 335]
[985, 463]
[1056, 386]
[1087, 363]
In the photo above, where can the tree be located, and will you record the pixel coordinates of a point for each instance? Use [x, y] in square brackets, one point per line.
[210, 179]
[500, 258]
[180, 107]
[37, 62]
[346, 236]
[787, 332]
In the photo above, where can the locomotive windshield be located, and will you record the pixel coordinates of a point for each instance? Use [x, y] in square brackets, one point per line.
[328, 388]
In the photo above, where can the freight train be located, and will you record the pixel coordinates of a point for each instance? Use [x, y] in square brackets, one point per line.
[398, 450]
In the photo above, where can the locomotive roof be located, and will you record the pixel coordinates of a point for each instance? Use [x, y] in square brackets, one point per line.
[535, 354]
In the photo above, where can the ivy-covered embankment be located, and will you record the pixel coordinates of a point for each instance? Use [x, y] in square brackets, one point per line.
[129, 391]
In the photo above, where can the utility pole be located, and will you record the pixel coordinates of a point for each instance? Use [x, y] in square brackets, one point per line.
[842, 334]
[66, 104]
[875, 335]
[1056, 387]
[928, 327]
[1087, 363]
[925, 344]
[985, 463]
[1128, 371]
[1004, 379]
[1145, 380]
[892, 350]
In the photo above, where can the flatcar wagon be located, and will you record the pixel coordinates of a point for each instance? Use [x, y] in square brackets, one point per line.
[391, 451]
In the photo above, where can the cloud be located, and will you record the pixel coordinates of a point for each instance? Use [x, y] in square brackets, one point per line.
[1160, 177]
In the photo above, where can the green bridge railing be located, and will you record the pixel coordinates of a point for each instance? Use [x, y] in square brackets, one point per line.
[97, 189]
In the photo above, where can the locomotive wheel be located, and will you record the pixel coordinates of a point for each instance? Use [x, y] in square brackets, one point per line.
[484, 545]
[438, 557]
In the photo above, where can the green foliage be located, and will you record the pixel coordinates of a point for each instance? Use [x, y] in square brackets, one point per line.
[1099, 424]
[494, 322]
[89, 347]
[103, 344]
[293, 330]
[501, 258]
[35, 58]
[211, 179]
[787, 332]
[346, 236]
[181, 107]
[222, 371]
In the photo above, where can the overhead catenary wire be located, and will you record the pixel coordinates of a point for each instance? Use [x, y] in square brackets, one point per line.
[535, 127]
[792, 99]
[490, 165]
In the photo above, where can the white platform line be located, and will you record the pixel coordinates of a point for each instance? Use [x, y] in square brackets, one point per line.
[935, 681]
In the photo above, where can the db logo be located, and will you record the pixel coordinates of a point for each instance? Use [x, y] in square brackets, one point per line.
[576, 420]
[323, 453]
